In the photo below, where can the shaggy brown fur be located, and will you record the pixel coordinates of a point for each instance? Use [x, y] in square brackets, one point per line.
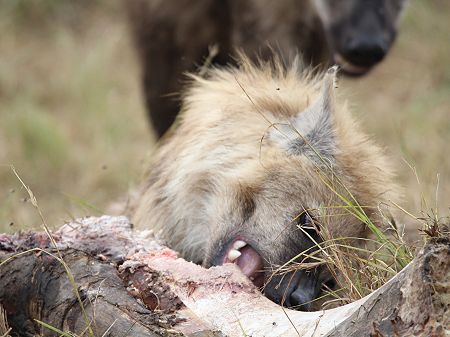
[253, 151]
[174, 36]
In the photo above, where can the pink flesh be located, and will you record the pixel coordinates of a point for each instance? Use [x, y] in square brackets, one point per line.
[251, 265]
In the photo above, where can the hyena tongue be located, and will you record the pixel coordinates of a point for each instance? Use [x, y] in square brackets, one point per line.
[251, 264]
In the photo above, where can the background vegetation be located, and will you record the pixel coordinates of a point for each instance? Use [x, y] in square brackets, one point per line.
[72, 119]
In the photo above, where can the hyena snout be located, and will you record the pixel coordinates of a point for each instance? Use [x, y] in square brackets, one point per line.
[300, 289]
[265, 263]
[357, 51]
[296, 289]
[364, 50]
[360, 33]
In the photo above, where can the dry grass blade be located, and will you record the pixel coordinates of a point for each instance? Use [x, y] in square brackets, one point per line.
[4, 327]
[60, 258]
[52, 328]
[359, 265]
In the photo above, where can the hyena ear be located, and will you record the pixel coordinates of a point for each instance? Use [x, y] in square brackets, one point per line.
[311, 132]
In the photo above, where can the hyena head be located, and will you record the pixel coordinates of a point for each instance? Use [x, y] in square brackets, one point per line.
[359, 32]
[255, 171]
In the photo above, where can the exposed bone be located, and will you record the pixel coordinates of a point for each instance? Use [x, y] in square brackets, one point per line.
[110, 262]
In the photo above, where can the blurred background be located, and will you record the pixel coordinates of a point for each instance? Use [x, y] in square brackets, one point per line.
[73, 122]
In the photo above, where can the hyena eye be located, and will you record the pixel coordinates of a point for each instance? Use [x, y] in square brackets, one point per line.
[308, 227]
[305, 222]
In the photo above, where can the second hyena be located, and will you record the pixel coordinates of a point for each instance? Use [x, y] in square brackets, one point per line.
[174, 36]
[260, 157]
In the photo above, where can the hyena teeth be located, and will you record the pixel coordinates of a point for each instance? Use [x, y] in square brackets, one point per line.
[233, 255]
[238, 244]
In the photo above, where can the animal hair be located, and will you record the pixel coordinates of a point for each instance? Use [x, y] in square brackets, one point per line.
[237, 161]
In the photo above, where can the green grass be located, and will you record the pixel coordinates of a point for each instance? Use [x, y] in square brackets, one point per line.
[71, 119]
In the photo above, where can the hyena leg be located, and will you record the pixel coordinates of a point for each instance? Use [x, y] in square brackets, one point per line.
[173, 37]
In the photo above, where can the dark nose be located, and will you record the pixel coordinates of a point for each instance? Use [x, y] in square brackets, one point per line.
[301, 299]
[305, 291]
[364, 51]
[297, 290]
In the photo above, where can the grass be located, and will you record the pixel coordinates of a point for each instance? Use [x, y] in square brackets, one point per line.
[71, 119]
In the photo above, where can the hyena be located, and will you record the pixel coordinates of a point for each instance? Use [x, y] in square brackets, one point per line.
[174, 36]
[246, 177]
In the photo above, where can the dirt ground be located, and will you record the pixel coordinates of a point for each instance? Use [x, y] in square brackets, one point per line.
[72, 120]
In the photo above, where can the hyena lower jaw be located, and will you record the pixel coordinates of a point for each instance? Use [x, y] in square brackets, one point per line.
[261, 155]
[246, 257]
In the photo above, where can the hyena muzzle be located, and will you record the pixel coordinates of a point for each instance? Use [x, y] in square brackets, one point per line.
[174, 36]
[359, 32]
[246, 177]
